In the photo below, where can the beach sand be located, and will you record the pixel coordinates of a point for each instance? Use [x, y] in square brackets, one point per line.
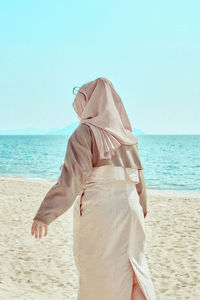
[44, 268]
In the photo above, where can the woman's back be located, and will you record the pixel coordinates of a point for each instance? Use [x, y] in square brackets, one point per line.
[126, 156]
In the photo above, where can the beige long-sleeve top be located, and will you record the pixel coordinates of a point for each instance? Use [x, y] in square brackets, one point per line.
[81, 156]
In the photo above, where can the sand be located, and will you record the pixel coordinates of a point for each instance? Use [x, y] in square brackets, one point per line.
[44, 268]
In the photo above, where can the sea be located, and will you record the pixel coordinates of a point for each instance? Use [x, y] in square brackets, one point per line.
[170, 162]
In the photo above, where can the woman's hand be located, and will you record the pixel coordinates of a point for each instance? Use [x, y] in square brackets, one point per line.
[38, 227]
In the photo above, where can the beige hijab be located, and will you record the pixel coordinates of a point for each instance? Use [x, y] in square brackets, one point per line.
[98, 105]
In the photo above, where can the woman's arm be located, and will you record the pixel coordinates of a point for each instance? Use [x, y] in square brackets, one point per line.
[141, 189]
[77, 164]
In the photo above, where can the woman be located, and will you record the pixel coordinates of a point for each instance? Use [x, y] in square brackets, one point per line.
[102, 176]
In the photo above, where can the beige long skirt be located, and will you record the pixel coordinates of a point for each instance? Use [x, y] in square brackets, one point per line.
[109, 237]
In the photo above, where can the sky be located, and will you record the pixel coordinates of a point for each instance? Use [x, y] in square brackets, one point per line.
[149, 50]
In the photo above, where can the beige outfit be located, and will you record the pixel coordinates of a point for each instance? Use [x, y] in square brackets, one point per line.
[109, 197]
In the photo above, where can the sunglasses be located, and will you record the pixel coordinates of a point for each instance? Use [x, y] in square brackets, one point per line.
[75, 90]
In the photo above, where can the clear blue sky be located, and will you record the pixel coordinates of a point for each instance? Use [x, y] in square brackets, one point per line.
[150, 50]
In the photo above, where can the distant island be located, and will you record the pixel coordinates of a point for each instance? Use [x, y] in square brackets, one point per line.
[67, 130]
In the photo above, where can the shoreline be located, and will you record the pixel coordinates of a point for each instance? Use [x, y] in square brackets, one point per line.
[151, 191]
